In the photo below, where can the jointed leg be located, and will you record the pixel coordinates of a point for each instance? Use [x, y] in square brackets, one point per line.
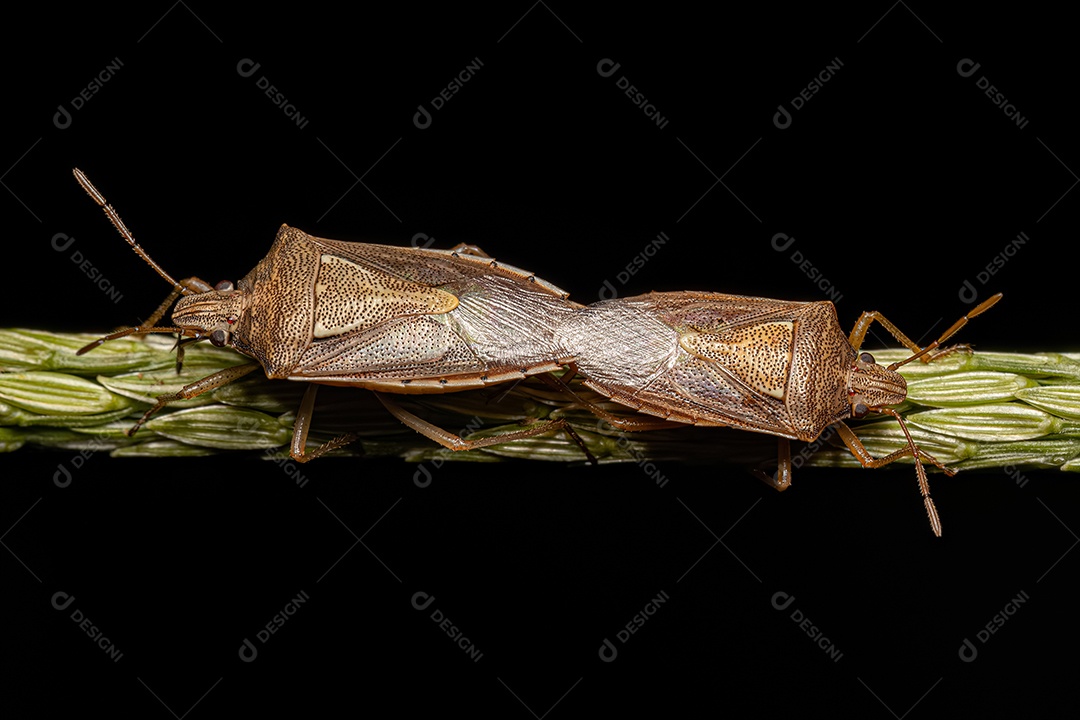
[912, 450]
[191, 285]
[302, 425]
[630, 424]
[451, 441]
[781, 480]
[858, 333]
[210, 382]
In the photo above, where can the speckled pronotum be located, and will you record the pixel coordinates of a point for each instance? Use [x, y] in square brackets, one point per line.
[389, 319]
[768, 366]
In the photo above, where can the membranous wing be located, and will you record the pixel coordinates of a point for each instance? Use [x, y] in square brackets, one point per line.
[702, 358]
[405, 315]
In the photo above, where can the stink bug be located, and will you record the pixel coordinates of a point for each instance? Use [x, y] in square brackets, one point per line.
[768, 366]
[389, 319]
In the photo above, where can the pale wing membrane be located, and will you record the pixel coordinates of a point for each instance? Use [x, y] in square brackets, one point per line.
[619, 350]
[692, 357]
[508, 325]
[481, 327]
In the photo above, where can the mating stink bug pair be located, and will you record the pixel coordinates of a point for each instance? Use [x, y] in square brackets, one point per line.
[406, 320]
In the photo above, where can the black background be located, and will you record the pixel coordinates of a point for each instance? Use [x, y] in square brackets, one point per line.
[899, 180]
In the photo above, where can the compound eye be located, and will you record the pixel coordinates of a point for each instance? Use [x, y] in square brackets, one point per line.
[866, 358]
[219, 338]
[859, 410]
[225, 286]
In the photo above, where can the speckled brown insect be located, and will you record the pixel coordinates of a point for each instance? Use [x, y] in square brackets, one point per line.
[768, 366]
[389, 319]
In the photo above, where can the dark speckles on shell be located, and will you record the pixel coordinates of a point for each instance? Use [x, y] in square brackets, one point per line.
[349, 296]
[376, 316]
[754, 363]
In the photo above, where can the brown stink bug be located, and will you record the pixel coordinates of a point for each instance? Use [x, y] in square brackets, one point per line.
[768, 366]
[389, 319]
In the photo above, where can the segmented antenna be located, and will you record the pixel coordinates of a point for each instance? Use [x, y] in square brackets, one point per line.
[189, 286]
[114, 218]
[979, 310]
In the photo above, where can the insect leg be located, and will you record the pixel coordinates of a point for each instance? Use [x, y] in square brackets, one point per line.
[210, 382]
[781, 479]
[858, 333]
[862, 325]
[302, 426]
[454, 442]
[128, 331]
[630, 424]
[912, 450]
[189, 285]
